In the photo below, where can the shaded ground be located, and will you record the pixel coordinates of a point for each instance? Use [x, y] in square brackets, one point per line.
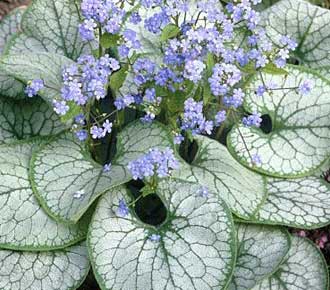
[8, 5]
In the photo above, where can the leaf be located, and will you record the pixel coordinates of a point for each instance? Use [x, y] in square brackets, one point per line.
[109, 40]
[300, 203]
[271, 68]
[73, 111]
[57, 270]
[169, 31]
[214, 167]
[118, 78]
[299, 140]
[137, 138]
[261, 250]
[305, 269]
[196, 249]
[51, 26]
[8, 27]
[45, 66]
[56, 188]
[306, 23]
[62, 170]
[265, 4]
[23, 223]
[28, 118]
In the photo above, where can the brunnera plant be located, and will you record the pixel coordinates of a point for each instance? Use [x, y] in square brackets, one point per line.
[169, 144]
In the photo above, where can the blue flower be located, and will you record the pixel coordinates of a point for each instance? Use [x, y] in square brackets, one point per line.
[155, 238]
[122, 210]
[154, 162]
[34, 87]
[96, 132]
[306, 87]
[252, 120]
[107, 127]
[178, 138]
[60, 107]
[220, 117]
[82, 135]
[86, 29]
[107, 167]
[256, 159]
[203, 191]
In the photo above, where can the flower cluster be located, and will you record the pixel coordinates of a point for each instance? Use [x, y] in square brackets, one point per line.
[252, 120]
[100, 13]
[207, 53]
[154, 162]
[194, 119]
[85, 81]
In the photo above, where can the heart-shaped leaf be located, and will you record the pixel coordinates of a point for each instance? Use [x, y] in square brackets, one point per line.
[57, 189]
[23, 223]
[67, 180]
[214, 167]
[27, 118]
[306, 23]
[305, 269]
[51, 26]
[300, 203]
[265, 4]
[194, 248]
[56, 270]
[299, 140]
[8, 27]
[137, 138]
[45, 66]
[261, 250]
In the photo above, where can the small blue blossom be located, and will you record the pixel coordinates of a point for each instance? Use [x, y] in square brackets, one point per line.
[86, 29]
[154, 162]
[306, 87]
[79, 194]
[34, 87]
[256, 159]
[178, 138]
[220, 117]
[156, 22]
[144, 70]
[260, 90]
[60, 107]
[150, 95]
[122, 210]
[135, 18]
[203, 191]
[155, 238]
[96, 132]
[123, 50]
[80, 119]
[107, 167]
[82, 135]
[194, 70]
[252, 120]
[235, 100]
[122, 103]
[287, 41]
[107, 127]
[193, 118]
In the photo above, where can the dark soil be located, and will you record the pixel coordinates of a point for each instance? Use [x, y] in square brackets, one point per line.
[8, 5]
